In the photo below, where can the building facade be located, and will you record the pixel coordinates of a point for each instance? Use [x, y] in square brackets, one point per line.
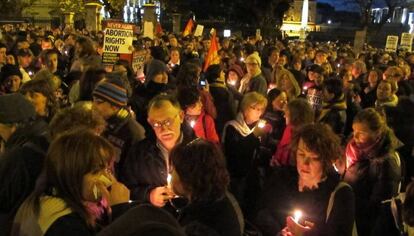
[292, 21]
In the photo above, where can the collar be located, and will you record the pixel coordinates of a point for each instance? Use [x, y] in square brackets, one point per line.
[164, 152]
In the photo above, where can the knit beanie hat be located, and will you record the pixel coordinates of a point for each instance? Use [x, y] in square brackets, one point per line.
[238, 70]
[9, 70]
[254, 58]
[155, 67]
[112, 91]
[15, 108]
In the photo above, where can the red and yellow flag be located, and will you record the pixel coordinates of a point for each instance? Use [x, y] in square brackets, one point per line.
[212, 58]
[188, 28]
[158, 29]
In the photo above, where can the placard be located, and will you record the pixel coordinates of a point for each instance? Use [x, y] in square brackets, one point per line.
[406, 41]
[392, 43]
[118, 38]
[199, 31]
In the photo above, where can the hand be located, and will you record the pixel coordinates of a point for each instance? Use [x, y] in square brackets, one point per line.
[258, 132]
[296, 229]
[160, 195]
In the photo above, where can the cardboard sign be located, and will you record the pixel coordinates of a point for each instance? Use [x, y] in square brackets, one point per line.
[149, 29]
[406, 41]
[138, 61]
[392, 43]
[117, 42]
[199, 30]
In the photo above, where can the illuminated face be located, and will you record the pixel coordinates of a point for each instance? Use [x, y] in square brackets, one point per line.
[104, 108]
[39, 101]
[13, 83]
[308, 165]
[384, 92]
[253, 113]
[279, 103]
[175, 56]
[52, 62]
[252, 67]
[362, 134]
[195, 109]
[46, 45]
[273, 58]
[166, 122]
[3, 55]
[372, 78]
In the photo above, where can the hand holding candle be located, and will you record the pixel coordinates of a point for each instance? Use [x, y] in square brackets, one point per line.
[297, 215]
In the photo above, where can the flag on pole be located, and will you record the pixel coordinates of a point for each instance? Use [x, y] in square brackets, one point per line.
[212, 57]
[189, 27]
[158, 29]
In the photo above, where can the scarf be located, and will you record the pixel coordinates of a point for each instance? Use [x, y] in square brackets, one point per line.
[393, 102]
[355, 152]
[240, 125]
[338, 104]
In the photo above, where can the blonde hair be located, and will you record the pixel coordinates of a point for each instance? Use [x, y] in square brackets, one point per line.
[287, 74]
[252, 98]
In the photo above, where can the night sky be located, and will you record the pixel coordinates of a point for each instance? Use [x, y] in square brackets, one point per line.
[340, 4]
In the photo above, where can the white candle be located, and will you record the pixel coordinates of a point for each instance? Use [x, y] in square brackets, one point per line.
[297, 215]
[169, 180]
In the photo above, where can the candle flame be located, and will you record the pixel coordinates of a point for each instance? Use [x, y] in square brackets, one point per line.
[169, 179]
[297, 215]
[261, 124]
[192, 123]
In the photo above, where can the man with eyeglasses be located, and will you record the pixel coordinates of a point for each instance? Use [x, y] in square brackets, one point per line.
[110, 100]
[147, 165]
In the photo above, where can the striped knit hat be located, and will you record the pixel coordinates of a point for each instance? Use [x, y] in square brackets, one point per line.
[112, 91]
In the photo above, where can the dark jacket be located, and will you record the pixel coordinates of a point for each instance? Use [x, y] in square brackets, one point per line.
[224, 103]
[20, 166]
[374, 179]
[223, 216]
[257, 84]
[122, 131]
[333, 114]
[281, 198]
[145, 167]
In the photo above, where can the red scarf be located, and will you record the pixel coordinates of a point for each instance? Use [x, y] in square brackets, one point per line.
[356, 152]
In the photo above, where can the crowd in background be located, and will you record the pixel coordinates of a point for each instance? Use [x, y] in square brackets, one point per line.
[181, 148]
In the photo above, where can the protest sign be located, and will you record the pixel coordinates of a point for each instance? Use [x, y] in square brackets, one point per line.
[406, 41]
[392, 43]
[199, 30]
[117, 42]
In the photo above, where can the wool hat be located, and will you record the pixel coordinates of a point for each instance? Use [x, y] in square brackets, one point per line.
[155, 67]
[15, 108]
[238, 70]
[10, 70]
[24, 52]
[112, 91]
[254, 58]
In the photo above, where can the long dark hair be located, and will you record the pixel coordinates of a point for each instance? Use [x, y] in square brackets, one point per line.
[70, 157]
[201, 167]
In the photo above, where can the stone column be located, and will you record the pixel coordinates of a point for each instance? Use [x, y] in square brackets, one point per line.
[69, 18]
[93, 15]
[149, 13]
[176, 19]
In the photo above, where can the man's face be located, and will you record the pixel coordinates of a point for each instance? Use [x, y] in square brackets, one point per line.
[52, 62]
[46, 45]
[2, 55]
[104, 108]
[24, 61]
[13, 83]
[273, 58]
[166, 122]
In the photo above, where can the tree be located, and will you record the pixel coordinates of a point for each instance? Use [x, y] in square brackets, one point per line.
[14, 8]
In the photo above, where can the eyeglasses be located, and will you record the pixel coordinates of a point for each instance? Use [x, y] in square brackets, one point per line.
[166, 123]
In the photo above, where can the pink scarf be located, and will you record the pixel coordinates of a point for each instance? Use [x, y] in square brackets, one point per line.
[356, 152]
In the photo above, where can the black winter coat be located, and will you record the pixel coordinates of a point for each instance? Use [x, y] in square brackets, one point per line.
[224, 103]
[145, 168]
[280, 198]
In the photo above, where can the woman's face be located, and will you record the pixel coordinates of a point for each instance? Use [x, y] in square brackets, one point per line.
[372, 78]
[95, 185]
[253, 113]
[279, 103]
[309, 165]
[232, 78]
[195, 109]
[362, 134]
[286, 84]
[39, 101]
[384, 91]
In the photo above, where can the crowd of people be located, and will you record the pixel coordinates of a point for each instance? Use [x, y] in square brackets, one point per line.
[282, 137]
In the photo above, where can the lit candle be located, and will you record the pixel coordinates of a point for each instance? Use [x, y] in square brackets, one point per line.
[169, 177]
[241, 58]
[192, 123]
[297, 215]
[232, 82]
[261, 124]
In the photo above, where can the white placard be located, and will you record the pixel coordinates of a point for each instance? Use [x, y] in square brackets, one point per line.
[118, 38]
[406, 41]
[199, 31]
[392, 43]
